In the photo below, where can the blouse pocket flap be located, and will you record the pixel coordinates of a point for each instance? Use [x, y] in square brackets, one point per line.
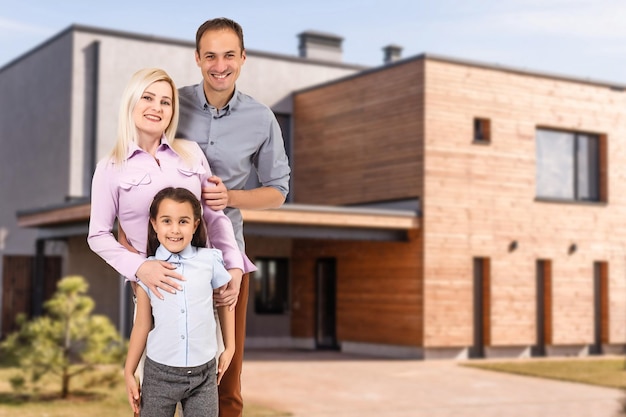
[195, 170]
[129, 181]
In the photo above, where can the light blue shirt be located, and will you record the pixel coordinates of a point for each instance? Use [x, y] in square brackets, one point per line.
[242, 139]
[184, 332]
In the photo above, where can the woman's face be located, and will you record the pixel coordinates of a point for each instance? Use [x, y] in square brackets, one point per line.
[153, 112]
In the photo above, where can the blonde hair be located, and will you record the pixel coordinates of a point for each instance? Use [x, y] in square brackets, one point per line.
[126, 129]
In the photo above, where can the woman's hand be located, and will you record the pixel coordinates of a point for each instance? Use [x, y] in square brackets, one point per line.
[159, 275]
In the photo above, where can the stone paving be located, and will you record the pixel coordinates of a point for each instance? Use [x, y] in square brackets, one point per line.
[325, 384]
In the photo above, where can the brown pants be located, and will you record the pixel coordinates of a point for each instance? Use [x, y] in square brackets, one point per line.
[231, 402]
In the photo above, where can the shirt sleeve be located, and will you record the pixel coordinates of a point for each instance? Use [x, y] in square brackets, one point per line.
[104, 210]
[271, 161]
[220, 274]
[219, 227]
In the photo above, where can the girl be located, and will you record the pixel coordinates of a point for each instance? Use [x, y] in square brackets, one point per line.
[182, 346]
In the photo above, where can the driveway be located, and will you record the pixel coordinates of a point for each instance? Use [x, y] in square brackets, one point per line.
[325, 384]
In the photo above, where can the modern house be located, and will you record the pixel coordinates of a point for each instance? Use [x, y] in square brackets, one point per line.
[519, 179]
[439, 207]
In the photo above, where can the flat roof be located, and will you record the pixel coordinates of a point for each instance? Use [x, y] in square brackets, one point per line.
[290, 220]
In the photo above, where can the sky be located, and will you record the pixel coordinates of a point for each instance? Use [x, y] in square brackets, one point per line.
[578, 38]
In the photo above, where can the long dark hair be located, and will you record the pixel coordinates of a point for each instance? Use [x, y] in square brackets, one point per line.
[180, 195]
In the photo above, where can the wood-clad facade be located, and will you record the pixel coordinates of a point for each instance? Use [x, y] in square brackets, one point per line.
[461, 138]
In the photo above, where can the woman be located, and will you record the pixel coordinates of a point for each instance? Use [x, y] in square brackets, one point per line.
[146, 159]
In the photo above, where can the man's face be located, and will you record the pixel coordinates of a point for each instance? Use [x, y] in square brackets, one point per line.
[220, 59]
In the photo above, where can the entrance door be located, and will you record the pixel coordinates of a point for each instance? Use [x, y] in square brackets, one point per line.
[326, 284]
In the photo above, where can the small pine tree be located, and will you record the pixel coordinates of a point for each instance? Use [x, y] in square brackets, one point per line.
[67, 341]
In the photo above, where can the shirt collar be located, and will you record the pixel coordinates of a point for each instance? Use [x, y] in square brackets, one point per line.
[204, 104]
[133, 148]
[162, 254]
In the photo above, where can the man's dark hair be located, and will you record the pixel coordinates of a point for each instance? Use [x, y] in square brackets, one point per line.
[220, 23]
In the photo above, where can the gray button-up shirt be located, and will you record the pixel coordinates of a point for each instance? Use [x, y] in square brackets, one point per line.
[238, 140]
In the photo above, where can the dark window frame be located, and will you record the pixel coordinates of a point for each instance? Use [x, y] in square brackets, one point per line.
[592, 189]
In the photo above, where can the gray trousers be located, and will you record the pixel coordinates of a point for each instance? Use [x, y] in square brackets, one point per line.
[164, 386]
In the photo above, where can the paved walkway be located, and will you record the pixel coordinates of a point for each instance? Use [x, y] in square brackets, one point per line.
[325, 384]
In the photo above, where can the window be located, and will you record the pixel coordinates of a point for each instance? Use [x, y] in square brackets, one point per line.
[284, 121]
[600, 306]
[270, 286]
[568, 165]
[543, 319]
[482, 307]
[482, 130]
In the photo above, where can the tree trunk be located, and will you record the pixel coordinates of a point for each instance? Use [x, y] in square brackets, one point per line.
[65, 384]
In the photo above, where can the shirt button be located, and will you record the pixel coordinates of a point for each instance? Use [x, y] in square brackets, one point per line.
[182, 310]
[182, 337]
[212, 143]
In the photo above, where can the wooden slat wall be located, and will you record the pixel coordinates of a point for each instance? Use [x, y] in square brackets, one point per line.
[406, 132]
[360, 140]
[16, 290]
[17, 286]
[379, 290]
[478, 198]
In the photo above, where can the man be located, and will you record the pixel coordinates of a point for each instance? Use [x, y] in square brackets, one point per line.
[239, 136]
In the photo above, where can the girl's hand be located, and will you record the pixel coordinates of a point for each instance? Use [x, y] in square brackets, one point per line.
[224, 362]
[132, 389]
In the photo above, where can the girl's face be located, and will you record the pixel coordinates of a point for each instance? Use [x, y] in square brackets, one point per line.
[153, 112]
[174, 224]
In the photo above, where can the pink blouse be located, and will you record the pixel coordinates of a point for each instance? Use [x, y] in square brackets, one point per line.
[125, 192]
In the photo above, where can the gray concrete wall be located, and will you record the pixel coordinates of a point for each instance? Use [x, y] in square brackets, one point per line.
[34, 137]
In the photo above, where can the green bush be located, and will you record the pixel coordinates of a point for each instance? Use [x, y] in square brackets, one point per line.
[67, 341]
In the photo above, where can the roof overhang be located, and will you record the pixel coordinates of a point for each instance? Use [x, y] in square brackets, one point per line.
[290, 220]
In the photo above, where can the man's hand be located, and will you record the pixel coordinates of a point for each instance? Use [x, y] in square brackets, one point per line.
[158, 274]
[227, 295]
[215, 194]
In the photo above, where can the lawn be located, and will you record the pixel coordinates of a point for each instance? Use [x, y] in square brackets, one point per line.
[602, 371]
[95, 402]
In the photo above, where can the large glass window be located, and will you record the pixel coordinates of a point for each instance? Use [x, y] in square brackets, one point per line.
[568, 165]
[270, 286]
